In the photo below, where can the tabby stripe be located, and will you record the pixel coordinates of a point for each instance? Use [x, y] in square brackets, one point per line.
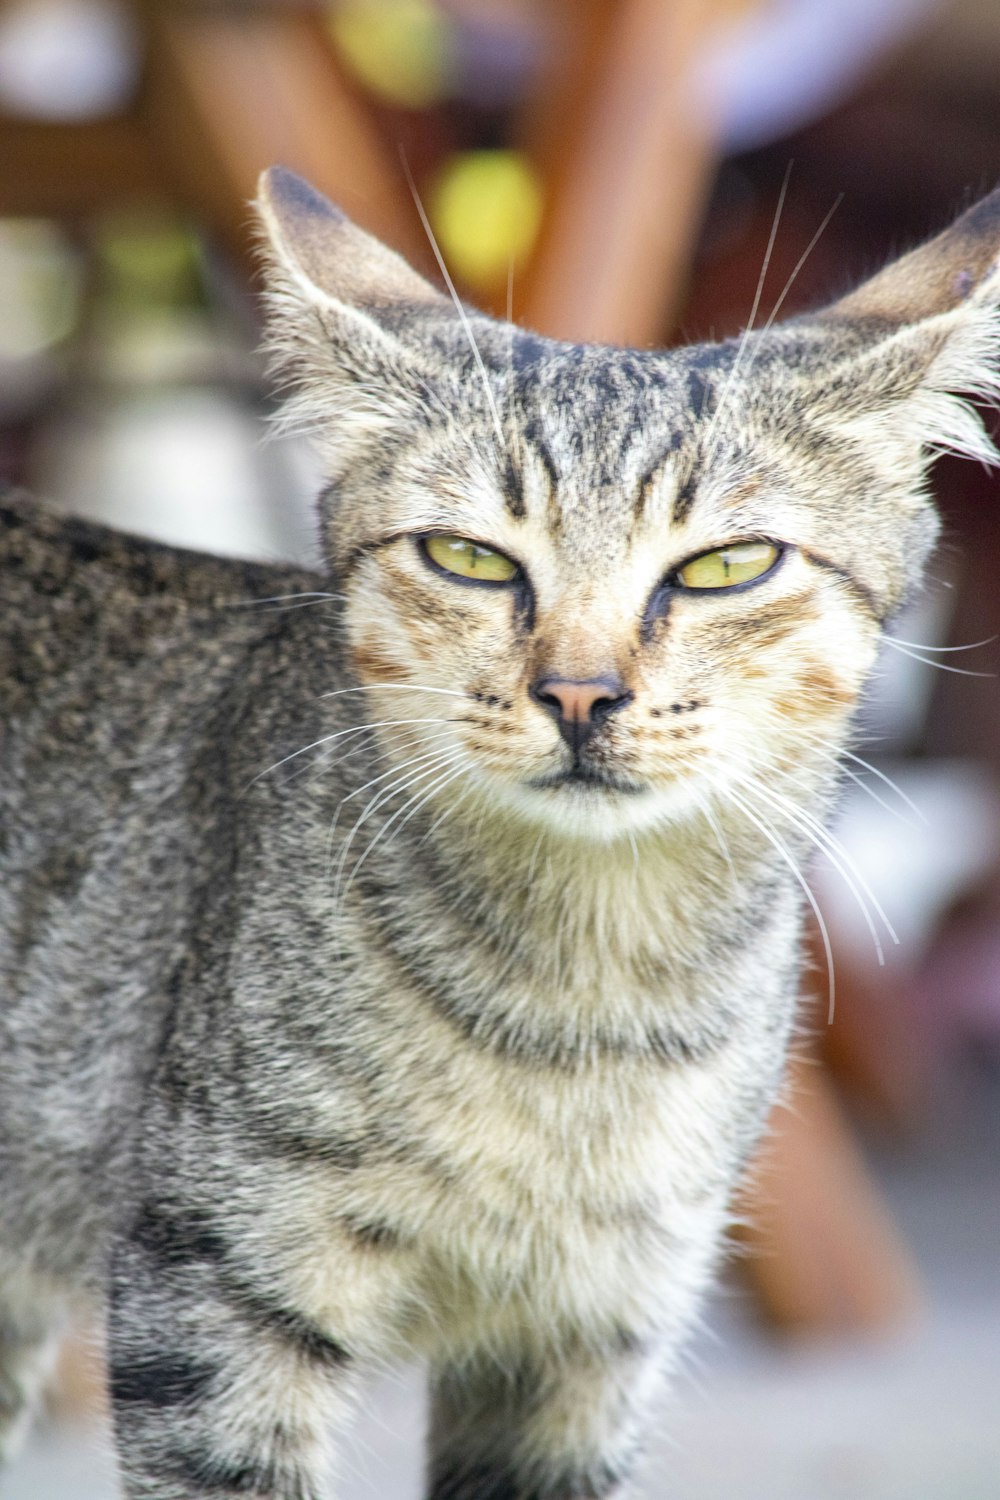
[183, 1241]
[493, 1481]
[177, 1239]
[291, 1327]
[860, 590]
[161, 1380]
[206, 1473]
[651, 478]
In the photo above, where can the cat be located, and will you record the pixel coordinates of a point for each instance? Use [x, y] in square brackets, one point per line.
[400, 959]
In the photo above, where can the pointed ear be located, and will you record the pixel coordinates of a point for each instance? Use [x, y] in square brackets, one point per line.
[960, 265]
[343, 318]
[920, 335]
[318, 246]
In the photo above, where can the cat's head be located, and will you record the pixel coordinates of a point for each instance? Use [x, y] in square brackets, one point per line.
[619, 585]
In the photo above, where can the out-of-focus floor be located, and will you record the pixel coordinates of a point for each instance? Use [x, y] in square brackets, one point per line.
[914, 1416]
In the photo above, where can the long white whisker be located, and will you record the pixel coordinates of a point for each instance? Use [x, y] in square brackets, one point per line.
[326, 759]
[297, 601]
[382, 796]
[447, 776]
[920, 646]
[776, 844]
[448, 812]
[737, 361]
[414, 760]
[463, 315]
[838, 856]
[867, 766]
[941, 666]
[409, 687]
[534, 856]
[704, 807]
[328, 738]
[799, 264]
[871, 792]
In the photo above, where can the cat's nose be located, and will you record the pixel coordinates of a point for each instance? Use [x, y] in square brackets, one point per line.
[578, 707]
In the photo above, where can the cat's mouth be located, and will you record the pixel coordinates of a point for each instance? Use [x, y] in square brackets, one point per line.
[588, 777]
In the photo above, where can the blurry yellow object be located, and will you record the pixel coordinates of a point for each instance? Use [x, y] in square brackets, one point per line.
[40, 286]
[148, 259]
[486, 207]
[400, 49]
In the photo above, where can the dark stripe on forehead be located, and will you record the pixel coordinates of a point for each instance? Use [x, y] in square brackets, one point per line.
[651, 478]
[537, 447]
[685, 498]
[513, 488]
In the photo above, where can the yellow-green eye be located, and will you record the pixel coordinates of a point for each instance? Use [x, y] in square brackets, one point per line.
[740, 563]
[456, 554]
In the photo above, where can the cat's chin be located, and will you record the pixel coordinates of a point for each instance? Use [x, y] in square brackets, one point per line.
[596, 810]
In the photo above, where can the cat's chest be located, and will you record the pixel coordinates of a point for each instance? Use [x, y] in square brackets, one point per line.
[571, 1195]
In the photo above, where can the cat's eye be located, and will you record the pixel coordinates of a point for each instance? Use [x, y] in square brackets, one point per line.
[743, 562]
[466, 559]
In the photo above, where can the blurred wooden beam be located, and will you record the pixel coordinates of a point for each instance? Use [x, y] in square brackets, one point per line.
[65, 171]
[826, 1257]
[231, 91]
[628, 147]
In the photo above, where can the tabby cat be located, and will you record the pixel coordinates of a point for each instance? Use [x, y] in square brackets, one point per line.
[399, 960]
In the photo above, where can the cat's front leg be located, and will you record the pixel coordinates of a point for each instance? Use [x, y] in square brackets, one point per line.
[219, 1389]
[566, 1427]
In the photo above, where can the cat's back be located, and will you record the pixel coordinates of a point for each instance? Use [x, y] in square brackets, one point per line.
[137, 683]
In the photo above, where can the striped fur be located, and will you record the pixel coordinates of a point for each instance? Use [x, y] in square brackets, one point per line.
[337, 1024]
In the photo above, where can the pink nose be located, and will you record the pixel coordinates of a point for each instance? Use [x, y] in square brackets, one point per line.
[578, 707]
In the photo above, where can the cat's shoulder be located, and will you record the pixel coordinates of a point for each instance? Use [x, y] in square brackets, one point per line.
[49, 552]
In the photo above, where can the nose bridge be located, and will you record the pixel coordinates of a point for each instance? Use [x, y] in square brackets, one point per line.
[580, 638]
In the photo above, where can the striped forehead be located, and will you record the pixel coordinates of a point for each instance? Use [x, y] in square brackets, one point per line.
[602, 441]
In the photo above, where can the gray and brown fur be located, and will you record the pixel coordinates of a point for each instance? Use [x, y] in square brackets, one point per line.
[302, 1069]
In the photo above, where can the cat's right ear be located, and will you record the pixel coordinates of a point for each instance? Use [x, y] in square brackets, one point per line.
[330, 259]
[340, 306]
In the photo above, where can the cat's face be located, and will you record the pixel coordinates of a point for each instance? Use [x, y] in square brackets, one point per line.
[622, 613]
[607, 588]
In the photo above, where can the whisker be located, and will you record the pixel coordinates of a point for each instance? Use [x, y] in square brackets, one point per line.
[410, 687]
[776, 844]
[920, 646]
[867, 766]
[463, 315]
[448, 776]
[534, 856]
[709, 443]
[800, 263]
[414, 760]
[448, 812]
[838, 856]
[328, 738]
[705, 809]
[302, 601]
[863, 784]
[323, 762]
[942, 666]
[382, 796]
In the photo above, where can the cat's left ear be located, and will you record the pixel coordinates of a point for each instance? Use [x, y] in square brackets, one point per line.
[344, 314]
[909, 343]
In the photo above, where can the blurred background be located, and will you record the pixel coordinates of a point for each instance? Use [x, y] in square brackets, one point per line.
[631, 171]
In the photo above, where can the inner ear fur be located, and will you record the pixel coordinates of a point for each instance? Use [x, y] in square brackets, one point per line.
[330, 258]
[901, 358]
[957, 267]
